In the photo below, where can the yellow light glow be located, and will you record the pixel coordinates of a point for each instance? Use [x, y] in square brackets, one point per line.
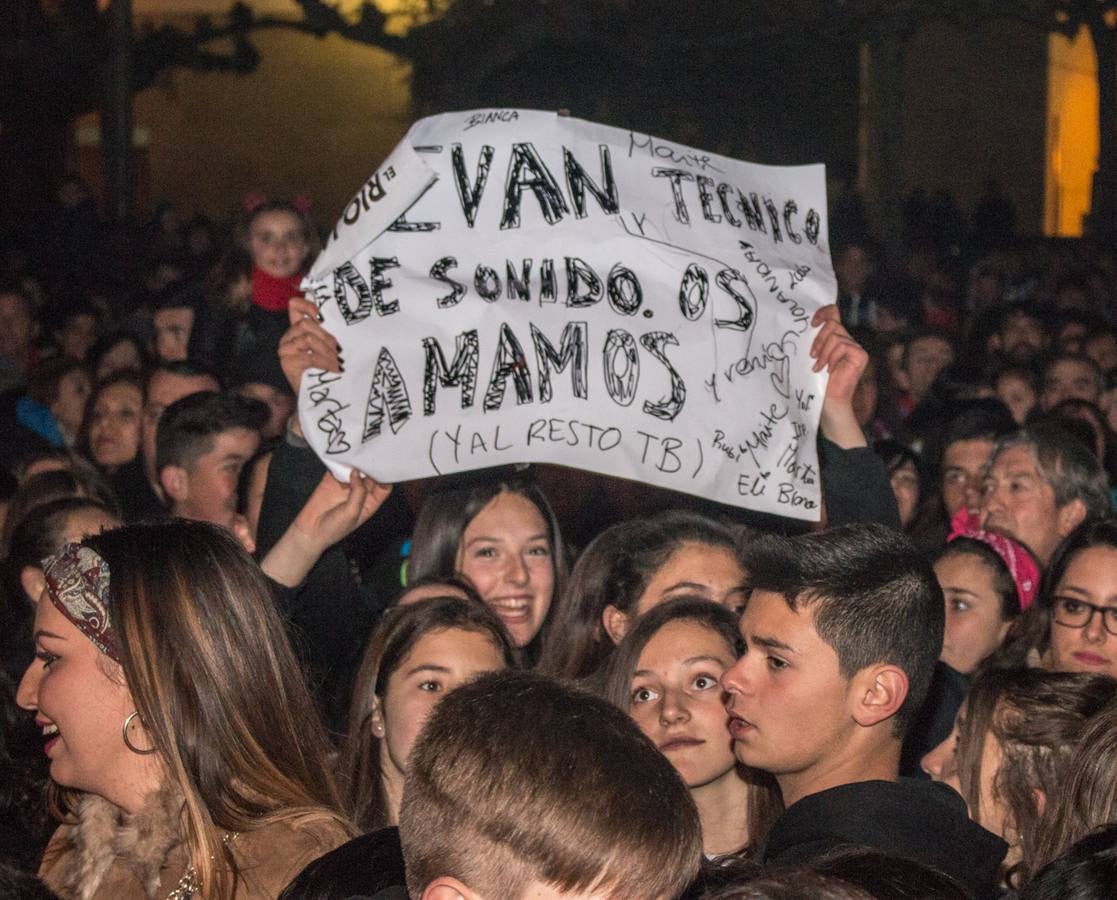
[1072, 133]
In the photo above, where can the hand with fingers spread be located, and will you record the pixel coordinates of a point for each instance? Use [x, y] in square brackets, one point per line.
[335, 509]
[844, 359]
[306, 344]
[332, 512]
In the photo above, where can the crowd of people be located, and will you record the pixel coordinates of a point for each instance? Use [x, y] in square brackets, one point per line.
[227, 674]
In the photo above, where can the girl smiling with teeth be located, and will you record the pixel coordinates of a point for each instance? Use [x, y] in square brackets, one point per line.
[502, 536]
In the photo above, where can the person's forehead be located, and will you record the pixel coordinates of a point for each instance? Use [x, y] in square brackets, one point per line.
[277, 220]
[967, 448]
[173, 313]
[770, 610]
[930, 343]
[119, 393]
[1017, 458]
[1072, 367]
[1022, 320]
[235, 440]
[167, 387]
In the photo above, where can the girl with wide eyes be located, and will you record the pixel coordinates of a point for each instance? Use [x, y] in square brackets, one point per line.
[666, 675]
[187, 755]
[419, 652]
[986, 580]
[504, 539]
[631, 568]
[1010, 752]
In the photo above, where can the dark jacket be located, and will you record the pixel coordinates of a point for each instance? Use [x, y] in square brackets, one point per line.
[936, 718]
[369, 867]
[855, 486]
[138, 500]
[924, 821]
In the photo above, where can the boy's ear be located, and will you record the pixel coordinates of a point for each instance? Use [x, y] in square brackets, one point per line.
[615, 623]
[878, 693]
[446, 888]
[175, 482]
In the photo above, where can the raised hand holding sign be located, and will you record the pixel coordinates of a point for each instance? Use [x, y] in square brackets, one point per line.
[516, 286]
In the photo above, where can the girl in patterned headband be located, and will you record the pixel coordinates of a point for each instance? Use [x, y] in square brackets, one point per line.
[184, 745]
[987, 580]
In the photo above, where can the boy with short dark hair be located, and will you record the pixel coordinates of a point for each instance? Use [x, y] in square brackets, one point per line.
[841, 634]
[519, 787]
[202, 445]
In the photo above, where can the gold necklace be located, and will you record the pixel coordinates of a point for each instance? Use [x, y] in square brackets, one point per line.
[188, 885]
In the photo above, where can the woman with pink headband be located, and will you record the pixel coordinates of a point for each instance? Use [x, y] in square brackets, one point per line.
[185, 752]
[987, 580]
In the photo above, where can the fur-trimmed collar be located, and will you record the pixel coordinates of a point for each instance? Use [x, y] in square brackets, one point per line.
[103, 834]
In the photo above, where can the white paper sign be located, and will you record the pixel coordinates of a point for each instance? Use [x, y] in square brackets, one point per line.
[517, 286]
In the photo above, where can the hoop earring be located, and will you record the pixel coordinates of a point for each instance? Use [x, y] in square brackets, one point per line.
[128, 743]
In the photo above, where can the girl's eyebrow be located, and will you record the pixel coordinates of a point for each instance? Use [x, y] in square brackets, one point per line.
[705, 657]
[50, 634]
[483, 537]
[428, 667]
[542, 536]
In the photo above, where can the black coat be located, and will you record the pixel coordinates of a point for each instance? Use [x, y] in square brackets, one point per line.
[369, 867]
[921, 820]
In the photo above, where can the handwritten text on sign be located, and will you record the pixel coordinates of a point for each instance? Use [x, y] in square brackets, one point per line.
[515, 286]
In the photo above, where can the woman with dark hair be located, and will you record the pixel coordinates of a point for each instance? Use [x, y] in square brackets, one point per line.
[1073, 627]
[632, 567]
[186, 754]
[987, 580]
[119, 351]
[419, 652]
[577, 646]
[60, 387]
[81, 480]
[1087, 870]
[1010, 753]
[666, 675]
[501, 534]
[1088, 798]
[904, 474]
[110, 433]
[41, 532]
[430, 588]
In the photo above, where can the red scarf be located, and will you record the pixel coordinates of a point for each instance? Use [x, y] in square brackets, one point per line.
[271, 293]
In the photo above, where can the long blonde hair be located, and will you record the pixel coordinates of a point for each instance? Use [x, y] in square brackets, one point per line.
[217, 685]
